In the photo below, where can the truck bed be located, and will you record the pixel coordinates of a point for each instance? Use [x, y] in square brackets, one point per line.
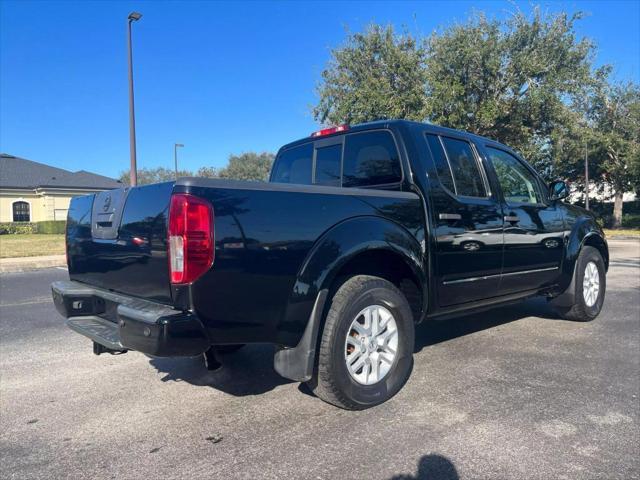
[264, 233]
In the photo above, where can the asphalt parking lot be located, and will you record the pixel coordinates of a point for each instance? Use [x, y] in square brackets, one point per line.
[511, 393]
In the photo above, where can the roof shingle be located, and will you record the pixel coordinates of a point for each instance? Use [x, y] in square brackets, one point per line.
[16, 172]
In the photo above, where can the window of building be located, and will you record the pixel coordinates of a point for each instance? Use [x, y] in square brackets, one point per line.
[21, 212]
[60, 214]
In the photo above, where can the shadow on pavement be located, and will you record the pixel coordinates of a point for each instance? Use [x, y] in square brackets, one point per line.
[437, 331]
[249, 371]
[432, 467]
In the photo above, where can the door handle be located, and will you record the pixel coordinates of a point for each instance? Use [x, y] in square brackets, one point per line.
[511, 218]
[450, 216]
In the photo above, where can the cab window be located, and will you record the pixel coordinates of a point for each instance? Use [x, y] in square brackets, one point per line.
[442, 166]
[293, 165]
[328, 165]
[464, 167]
[517, 182]
[370, 158]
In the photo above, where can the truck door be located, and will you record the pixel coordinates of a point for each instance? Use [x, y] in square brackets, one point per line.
[534, 227]
[468, 223]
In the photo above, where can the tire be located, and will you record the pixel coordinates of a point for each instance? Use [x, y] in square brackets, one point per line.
[227, 349]
[587, 306]
[359, 298]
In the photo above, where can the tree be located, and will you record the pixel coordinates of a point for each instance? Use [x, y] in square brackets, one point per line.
[208, 172]
[248, 166]
[509, 80]
[154, 175]
[604, 122]
[526, 81]
[375, 75]
[615, 118]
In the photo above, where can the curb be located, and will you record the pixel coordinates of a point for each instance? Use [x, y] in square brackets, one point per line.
[623, 237]
[26, 264]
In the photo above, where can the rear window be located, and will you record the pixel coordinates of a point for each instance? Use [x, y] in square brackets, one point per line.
[294, 165]
[328, 165]
[370, 159]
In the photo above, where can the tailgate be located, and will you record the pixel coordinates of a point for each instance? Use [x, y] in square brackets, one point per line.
[117, 240]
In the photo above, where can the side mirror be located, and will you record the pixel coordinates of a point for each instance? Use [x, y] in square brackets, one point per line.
[558, 190]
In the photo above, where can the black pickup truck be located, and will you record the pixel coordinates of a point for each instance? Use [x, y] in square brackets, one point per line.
[361, 233]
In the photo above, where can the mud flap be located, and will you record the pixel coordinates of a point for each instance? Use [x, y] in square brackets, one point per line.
[568, 297]
[297, 363]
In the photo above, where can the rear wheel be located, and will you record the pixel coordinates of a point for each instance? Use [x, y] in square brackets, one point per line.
[590, 285]
[365, 354]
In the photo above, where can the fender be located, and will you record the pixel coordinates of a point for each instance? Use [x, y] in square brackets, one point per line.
[585, 231]
[333, 250]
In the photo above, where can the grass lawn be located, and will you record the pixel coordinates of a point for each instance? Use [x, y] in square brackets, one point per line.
[31, 245]
[622, 232]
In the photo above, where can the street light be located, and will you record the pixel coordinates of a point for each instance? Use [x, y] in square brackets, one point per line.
[133, 174]
[175, 155]
[586, 176]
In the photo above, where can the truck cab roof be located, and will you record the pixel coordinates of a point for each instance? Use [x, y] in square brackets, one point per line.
[408, 124]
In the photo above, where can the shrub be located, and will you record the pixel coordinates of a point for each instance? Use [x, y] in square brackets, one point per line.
[631, 220]
[604, 213]
[51, 226]
[18, 228]
[603, 222]
[21, 228]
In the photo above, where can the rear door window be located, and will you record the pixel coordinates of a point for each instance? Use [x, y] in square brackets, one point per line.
[465, 170]
[442, 165]
[328, 165]
[293, 165]
[370, 158]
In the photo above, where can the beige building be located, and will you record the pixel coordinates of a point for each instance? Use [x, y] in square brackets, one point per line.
[32, 192]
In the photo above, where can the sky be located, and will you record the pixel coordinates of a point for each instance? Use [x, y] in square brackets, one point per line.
[219, 77]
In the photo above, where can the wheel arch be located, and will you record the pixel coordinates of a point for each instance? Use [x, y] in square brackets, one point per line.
[585, 232]
[360, 245]
[349, 248]
[390, 265]
[597, 241]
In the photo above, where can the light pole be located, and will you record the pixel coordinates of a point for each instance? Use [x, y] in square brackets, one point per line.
[133, 174]
[175, 155]
[586, 175]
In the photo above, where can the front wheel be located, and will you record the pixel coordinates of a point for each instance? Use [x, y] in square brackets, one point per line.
[366, 348]
[590, 285]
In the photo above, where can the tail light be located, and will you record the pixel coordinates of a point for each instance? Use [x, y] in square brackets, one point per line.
[190, 237]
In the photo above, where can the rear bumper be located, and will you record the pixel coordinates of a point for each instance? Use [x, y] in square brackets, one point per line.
[119, 322]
